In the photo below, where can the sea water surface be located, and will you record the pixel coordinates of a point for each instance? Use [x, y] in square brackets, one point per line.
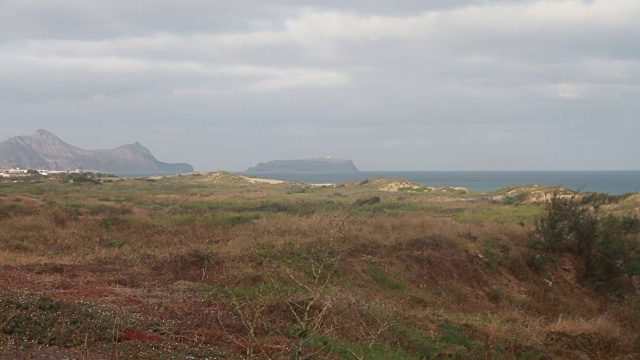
[611, 182]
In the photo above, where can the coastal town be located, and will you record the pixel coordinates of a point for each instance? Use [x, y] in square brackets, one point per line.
[23, 173]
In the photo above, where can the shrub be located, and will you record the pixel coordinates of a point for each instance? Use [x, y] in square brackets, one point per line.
[368, 201]
[607, 244]
[81, 178]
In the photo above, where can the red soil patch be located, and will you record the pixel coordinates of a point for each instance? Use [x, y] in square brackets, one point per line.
[135, 335]
[88, 293]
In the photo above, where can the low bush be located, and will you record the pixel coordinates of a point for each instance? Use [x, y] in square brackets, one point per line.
[368, 201]
[607, 244]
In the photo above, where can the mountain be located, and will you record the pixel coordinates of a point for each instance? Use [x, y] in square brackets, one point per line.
[44, 150]
[306, 165]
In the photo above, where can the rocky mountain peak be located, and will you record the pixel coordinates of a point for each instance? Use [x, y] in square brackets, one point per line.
[44, 150]
[43, 134]
[137, 147]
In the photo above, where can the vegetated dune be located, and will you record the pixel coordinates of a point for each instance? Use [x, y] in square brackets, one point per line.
[213, 265]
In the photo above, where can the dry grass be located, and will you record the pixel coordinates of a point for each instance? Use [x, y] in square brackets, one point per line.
[604, 325]
[211, 262]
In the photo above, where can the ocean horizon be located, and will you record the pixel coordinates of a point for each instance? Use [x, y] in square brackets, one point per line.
[602, 181]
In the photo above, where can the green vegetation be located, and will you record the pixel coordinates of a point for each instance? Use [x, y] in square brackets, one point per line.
[607, 245]
[382, 278]
[28, 318]
[215, 265]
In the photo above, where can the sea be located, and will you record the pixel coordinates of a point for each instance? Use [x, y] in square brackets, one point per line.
[610, 182]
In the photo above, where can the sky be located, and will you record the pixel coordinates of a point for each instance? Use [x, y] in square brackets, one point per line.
[402, 85]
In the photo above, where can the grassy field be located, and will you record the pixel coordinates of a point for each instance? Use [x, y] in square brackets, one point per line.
[212, 265]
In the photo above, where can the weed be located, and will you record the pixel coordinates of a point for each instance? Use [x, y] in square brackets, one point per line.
[382, 278]
[32, 318]
[110, 222]
[116, 244]
[153, 207]
[368, 201]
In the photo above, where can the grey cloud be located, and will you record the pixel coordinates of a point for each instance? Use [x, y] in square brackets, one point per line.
[77, 19]
[408, 85]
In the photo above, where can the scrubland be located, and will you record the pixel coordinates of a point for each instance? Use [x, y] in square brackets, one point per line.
[210, 265]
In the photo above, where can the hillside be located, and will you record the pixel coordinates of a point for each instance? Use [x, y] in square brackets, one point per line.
[44, 150]
[219, 265]
[306, 165]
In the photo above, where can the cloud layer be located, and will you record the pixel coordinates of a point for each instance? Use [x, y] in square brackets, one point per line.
[450, 85]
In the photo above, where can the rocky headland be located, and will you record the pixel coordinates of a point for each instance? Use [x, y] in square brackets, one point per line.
[326, 164]
[44, 150]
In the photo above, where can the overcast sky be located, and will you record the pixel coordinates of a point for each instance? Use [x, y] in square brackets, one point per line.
[391, 85]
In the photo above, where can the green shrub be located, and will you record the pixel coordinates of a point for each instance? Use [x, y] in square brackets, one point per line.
[368, 201]
[111, 222]
[382, 278]
[152, 207]
[607, 244]
[239, 219]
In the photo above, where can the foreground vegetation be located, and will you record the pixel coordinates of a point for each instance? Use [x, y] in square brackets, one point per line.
[216, 265]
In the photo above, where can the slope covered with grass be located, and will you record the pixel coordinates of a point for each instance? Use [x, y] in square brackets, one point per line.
[215, 265]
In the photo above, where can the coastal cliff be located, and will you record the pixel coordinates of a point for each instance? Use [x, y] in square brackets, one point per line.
[327, 164]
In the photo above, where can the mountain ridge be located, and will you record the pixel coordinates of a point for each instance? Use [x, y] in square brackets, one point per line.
[44, 150]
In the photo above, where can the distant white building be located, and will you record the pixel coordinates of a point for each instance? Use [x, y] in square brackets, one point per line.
[52, 172]
[17, 172]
